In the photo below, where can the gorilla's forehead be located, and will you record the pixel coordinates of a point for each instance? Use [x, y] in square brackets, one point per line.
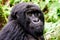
[26, 7]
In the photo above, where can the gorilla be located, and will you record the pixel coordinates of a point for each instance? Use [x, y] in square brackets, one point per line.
[26, 22]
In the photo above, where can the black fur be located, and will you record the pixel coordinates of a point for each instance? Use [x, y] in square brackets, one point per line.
[17, 27]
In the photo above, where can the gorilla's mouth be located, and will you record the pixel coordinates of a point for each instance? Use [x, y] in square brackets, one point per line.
[36, 26]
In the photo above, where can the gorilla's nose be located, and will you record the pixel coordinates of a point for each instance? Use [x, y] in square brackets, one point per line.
[36, 20]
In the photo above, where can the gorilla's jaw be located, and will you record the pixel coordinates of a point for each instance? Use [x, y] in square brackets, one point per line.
[36, 31]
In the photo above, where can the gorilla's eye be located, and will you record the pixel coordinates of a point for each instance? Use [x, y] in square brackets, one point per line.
[37, 14]
[29, 14]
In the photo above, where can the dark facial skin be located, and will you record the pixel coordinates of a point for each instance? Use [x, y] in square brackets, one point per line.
[36, 23]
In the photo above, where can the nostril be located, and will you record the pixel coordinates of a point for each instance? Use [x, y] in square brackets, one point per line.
[35, 20]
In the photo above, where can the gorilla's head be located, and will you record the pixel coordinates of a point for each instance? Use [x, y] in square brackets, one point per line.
[30, 17]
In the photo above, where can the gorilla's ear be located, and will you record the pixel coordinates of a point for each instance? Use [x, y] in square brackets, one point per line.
[13, 15]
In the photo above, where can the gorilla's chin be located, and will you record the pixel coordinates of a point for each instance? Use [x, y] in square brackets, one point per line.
[36, 30]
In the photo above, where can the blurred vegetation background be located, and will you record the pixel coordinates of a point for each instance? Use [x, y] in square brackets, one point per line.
[50, 8]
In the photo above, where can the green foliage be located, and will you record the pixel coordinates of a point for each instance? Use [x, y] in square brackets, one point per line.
[58, 12]
[2, 17]
[51, 14]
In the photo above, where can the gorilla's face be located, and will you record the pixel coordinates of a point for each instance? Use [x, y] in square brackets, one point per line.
[32, 20]
[35, 22]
